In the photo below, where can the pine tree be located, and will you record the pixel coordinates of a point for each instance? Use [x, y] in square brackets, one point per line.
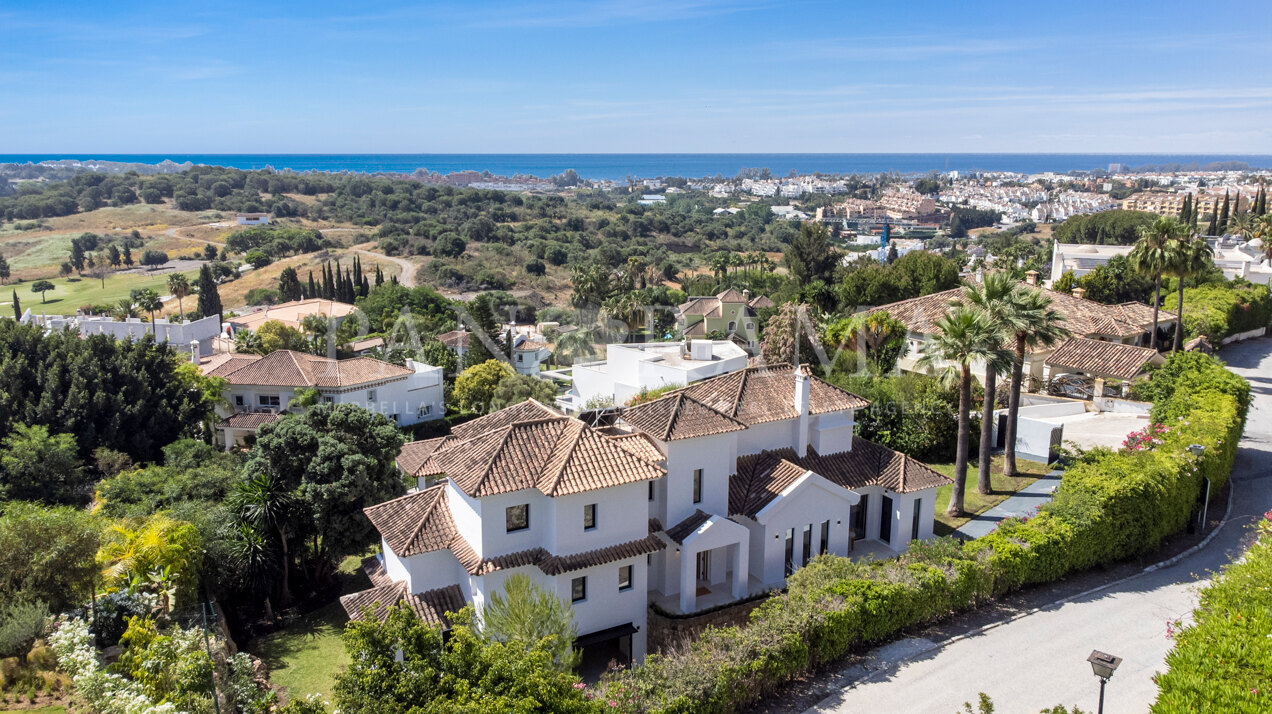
[209, 297]
[1223, 213]
[4, 269]
[17, 306]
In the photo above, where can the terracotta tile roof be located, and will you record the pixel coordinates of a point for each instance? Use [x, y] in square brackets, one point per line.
[557, 455]
[1083, 317]
[655, 526]
[525, 411]
[367, 344]
[697, 329]
[685, 528]
[760, 302]
[639, 445]
[292, 313]
[286, 368]
[761, 477]
[1102, 359]
[455, 338]
[431, 606]
[222, 364]
[678, 416]
[731, 295]
[699, 306]
[711, 305]
[249, 420]
[416, 523]
[761, 394]
[531, 346]
[557, 564]
[414, 453]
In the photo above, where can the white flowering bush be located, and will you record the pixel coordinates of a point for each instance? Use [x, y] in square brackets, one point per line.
[101, 692]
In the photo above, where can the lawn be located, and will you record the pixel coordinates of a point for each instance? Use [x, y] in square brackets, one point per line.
[974, 503]
[306, 656]
[68, 295]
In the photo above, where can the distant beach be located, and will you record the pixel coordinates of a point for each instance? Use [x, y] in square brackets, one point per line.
[617, 167]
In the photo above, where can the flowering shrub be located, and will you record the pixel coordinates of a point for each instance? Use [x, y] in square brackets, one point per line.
[1146, 438]
[102, 692]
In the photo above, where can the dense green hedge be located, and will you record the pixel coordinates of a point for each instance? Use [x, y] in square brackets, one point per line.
[1223, 661]
[1218, 310]
[1109, 506]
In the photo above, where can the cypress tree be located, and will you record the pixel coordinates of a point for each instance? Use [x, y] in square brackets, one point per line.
[1261, 202]
[209, 297]
[17, 306]
[379, 276]
[312, 291]
[1213, 228]
[1184, 213]
[1193, 223]
[328, 285]
[1223, 213]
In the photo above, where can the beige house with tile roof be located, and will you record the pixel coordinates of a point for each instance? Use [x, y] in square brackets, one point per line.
[259, 389]
[732, 313]
[1126, 324]
[712, 493]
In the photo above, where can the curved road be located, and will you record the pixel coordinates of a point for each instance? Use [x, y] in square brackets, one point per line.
[1039, 660]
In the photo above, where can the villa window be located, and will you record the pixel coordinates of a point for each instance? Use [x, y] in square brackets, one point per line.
[517, 518]
[423, 411]
[578, 589]
[370, 395]
[732, 326]
[697, 485]
[238, 400]
[268, 400]
[328, 400]
[651, 490]
[589, 517]
[808, 544]
[625, 578]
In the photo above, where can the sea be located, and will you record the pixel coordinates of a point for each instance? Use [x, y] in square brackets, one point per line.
[617, 167]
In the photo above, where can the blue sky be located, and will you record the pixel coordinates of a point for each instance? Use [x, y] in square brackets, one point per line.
[635, 76]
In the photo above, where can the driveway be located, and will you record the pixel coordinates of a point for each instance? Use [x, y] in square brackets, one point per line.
[1039, 660]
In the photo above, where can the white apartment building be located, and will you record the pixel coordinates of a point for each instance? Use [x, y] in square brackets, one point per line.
[629, 368]
[261, 388]
[709, 494]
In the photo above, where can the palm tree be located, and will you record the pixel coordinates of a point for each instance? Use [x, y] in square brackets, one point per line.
[964, 336]
[994, 297]
[149, 301]
[1035, 324]
[179, 286]
[1151, 257]
[1190, 256]
[262, 502]
[574, 345]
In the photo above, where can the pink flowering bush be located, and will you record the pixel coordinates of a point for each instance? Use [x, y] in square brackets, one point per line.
[1147, 438]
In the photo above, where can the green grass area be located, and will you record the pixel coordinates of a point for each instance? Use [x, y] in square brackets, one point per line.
[69, 295]
[39, 251]
[1001, 487]
[306, 656]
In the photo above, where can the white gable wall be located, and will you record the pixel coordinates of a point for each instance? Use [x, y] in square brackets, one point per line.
[717, 457]
[810, 500]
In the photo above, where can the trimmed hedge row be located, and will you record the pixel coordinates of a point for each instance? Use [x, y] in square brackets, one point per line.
[1223, 661]
[1218, 310]
[1110, 506]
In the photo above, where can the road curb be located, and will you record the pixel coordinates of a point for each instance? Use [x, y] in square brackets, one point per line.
[845, 683]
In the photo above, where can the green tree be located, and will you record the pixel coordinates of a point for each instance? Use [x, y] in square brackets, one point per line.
[964, 336]
[47, 554]
[41, 287]
[810, 255]
[276, 335]
[575, 346]
[528, 614]
[262, 505]
[158, 554]
[17, 306]
[788, 336]
[520, 387]
[149, 301]
[1035, 324]
[289, 284]
[179, 286]
[1151, 257]
[879, 335]
[4, 270]
[154, 258]
[38, 466]
[405, 665]
[997, 296]
[333, 461]
[475, 386]
[209, 297]
[1190, 256]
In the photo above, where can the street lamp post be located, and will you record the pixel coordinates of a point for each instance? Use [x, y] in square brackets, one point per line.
[1104, 665]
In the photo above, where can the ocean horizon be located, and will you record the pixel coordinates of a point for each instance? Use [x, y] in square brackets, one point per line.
[621, 166]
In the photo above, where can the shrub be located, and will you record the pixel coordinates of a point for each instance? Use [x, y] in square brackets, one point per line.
[1218, 310]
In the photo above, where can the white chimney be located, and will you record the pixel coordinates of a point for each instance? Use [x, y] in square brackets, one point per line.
[194, 351]
[701, 350]
[803, 384]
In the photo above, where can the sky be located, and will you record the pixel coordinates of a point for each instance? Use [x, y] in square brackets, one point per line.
[635, 76]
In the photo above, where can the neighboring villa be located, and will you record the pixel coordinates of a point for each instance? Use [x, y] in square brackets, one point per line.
[261, 388]
[1127, 324]
[528, 353]
[252, 219]
[731, 313]
[291, 314]
[457, 341]
[1232, 255]
[629, 369]
[712, 493]
[195, 337]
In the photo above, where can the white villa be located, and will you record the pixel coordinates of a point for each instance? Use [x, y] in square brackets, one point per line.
[194, 337]
[629, 368]
[1235, 257]
[528, 354]
[260, 388]
[712, 493]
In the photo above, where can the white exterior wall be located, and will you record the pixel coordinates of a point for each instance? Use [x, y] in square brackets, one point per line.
[717, 457]
[772, 435]
[592, 380]
[815, 500]
[402, 397]
[423, 571]
[832, 433]
[495, 538]
[620, 518]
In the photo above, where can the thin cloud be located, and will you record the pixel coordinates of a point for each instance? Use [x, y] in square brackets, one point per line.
[607, 12]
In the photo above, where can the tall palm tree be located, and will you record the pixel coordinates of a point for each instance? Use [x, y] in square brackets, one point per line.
[1151, 257]
[993, 296]
[573, 345]
[964, 336]
[1035, 324]
[263, 503]
[179, 286]
[149, 301]
[1190, 256]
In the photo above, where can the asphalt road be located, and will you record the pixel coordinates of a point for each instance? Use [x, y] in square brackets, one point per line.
[1039, 660]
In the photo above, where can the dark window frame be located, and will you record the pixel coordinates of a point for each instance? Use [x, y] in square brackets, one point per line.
[630, 577]
[508, 527]
[578, 589]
